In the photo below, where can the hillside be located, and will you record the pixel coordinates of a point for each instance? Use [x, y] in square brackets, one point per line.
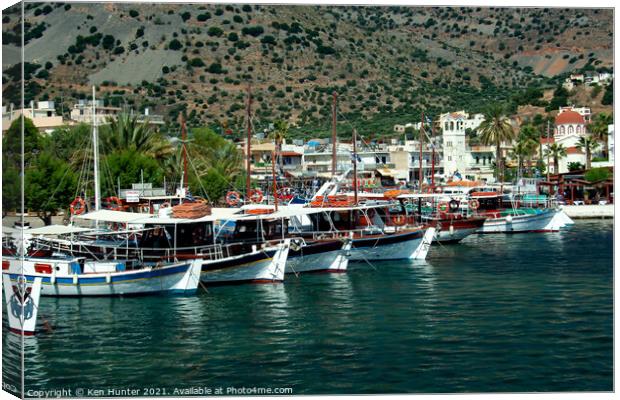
[386, 63]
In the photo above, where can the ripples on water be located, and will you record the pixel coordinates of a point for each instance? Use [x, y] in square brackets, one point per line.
[496, 313]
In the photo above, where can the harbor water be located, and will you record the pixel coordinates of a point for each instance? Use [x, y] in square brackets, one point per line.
[496, 313]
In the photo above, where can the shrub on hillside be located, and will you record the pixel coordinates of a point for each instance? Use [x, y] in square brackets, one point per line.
[175, 45]
[253, 30]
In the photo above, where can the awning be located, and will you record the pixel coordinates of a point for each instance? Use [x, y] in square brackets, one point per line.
[7, 230]
[113, 216]
[387, 172]
[56, 230]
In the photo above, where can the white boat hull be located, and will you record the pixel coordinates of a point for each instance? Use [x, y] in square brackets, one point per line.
[414, 248]
[455, 235]
[519, 223]
[331, 261]
[258, 267]
[560, 220]
[179, 277]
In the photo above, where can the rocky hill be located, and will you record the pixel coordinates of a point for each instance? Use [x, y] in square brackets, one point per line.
[386, 63]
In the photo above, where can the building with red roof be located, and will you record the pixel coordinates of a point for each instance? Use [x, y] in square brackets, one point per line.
[568, 123]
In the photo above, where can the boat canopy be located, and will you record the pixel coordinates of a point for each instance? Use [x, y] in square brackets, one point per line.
[56, 230]
[121, 217]
[218, 214]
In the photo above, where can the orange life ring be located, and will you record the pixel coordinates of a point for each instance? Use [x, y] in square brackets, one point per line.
[109, 201]
[233, 199]
[399, 220]
[256, 195]
[442, 207]
[474, 204]
[439, 189]
[77, 210]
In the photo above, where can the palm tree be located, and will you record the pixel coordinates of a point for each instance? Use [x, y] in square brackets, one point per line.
[519, 151]
[126, 132]
[523, 150]
[278, 135]
[557, 152]
[494, 130]
[530, 131]
[599, 128]
[209, 150]
[588, 144]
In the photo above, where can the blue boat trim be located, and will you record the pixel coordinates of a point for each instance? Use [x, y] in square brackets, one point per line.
[115, 279]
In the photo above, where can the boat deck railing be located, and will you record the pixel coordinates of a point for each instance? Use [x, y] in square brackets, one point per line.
[215, 251]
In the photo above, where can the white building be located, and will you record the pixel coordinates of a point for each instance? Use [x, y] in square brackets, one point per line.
[585, 112]
[570, 125]
[456, 155]
[602, 78]
[83, 110]
[403, 128]
[43, 116]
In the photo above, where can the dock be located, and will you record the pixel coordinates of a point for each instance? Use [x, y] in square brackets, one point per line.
[591, 211]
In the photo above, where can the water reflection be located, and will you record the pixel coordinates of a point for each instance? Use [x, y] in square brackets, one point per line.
[497, 312]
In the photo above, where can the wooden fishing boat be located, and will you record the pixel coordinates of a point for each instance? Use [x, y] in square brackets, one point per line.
[226, 257]
[76, 276]
[507, 218]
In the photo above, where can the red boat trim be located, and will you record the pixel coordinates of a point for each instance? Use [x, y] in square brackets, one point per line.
[20, 332]
[242, 282]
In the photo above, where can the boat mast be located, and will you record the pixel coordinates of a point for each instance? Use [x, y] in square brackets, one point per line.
[421, 173]
[95, 154]
[433, 156]
[248, 145]
[183, 141]
[273, 176]
[334, 137]
[355, 166]
[548, 144]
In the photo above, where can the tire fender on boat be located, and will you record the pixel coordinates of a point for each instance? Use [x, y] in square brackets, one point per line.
[454, 205]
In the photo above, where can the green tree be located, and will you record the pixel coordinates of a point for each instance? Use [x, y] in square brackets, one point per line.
[531, 135]
[50, 186]
[575, 166]
[560, 99]
[608, 96]
[588, 145]
[215, 164]
[11, 160]
[11, 185]
[11, 143]
[557, 152]
[127, 133]
[278, 135]
[494, 130]
[69, 142]
[597, 174]
[598, 128]
[215, 184]
[129, 165]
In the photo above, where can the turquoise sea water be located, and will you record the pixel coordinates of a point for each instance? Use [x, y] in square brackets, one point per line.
[497, 313]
